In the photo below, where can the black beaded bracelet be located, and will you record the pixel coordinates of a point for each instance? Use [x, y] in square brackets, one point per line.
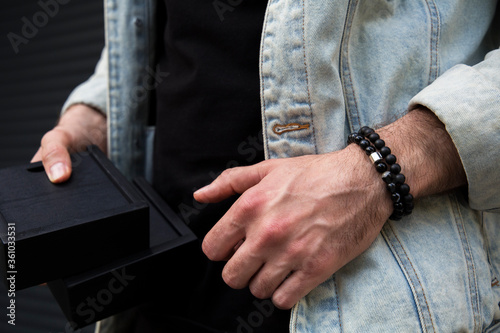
[385, 163]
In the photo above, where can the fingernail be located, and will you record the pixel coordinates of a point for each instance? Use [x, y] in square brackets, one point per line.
[57, 171]
[201, 190]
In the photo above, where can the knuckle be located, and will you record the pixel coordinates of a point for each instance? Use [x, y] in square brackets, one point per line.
[261, 289]
[53, 152]
[53, 144]
[230, 277]
[226, 176]
[209, 249]
[273, 232]
[251, 201]
[282, 301]
[56, 135]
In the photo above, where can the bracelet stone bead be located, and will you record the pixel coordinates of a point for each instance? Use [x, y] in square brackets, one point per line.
[385, 163]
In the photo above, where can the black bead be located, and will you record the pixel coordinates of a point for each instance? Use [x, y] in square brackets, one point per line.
[391, 187]
[404, 189]
[367, 131]
[395, 197]
[409, 205]
[364, 143]
[387, 177]
[395, 168]
[390, 159]
[398, 206]
[363, 129]
[408, 198]
[384, 151]
[399, 178]
[373, 137]
[358, 139]
[369, 150]
[381, 167]
[395, 217]
[351, 137]
[379, 144]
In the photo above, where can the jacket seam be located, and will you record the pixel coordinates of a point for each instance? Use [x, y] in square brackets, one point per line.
[265, 135]
[337, 300]
[307, 76]
[471, 268]
[434, 42]
[113, 84]
[346, 78]
[416, 293]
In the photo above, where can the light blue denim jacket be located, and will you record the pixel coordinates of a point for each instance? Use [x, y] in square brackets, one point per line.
[327, 68]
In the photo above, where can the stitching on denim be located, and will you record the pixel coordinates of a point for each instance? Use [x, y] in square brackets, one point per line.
[113, 81]
[294, 316]
[265, 122]
[346, 73]
[307, 75]
[337, 298]
[385, 232]
[471, 276]
[415, 274]
[435, 31]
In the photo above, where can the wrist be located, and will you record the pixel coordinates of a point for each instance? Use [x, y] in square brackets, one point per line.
[385, 164]
[85, 125]
[365, 176]
[425, 152]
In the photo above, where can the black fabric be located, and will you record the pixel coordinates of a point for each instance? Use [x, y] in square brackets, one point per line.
[208, 119]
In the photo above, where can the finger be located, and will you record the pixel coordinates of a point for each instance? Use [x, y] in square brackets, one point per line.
[244, 264]
[233, 181]
[38, 156]
[294, 287]
[55, 155]
[268, 279]
[220, 241]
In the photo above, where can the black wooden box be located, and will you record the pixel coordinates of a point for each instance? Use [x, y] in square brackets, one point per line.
[61, 230]
[145, 276]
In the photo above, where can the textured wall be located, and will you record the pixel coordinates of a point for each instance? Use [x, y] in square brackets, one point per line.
[45, 51]
[47, 47]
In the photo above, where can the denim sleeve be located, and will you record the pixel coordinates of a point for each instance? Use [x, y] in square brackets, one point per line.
[467, 100]
[92, 92]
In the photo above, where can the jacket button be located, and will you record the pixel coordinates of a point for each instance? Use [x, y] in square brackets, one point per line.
[138, 22]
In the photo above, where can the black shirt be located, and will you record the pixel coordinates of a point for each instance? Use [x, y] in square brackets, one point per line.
[208, 119]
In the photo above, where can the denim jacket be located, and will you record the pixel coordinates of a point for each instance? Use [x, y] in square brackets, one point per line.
[328, 67]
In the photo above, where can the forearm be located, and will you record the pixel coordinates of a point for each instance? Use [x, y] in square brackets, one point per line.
[426, 153]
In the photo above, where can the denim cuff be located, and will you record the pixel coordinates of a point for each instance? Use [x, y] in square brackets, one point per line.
[92, 92]
[467, 100]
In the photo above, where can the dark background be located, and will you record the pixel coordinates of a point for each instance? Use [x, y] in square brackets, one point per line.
[34, 83]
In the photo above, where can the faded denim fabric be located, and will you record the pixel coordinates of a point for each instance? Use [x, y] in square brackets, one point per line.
[124, 80]
[327, 68]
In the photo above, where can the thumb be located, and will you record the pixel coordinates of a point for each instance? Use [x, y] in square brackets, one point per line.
[55, 155]
[233, 181]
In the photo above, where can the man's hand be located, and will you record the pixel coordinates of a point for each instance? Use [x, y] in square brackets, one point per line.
[79, 127]
[298, 221]
[301, 219]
